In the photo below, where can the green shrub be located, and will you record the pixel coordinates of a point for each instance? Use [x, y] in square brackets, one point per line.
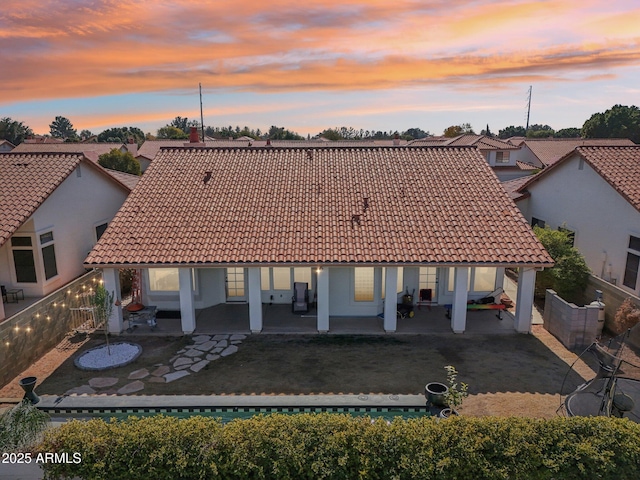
[21, 426]
[322, 446]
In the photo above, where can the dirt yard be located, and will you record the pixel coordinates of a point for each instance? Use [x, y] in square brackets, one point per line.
[519, 375]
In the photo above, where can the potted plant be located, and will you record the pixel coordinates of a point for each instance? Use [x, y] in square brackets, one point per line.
[455, 393]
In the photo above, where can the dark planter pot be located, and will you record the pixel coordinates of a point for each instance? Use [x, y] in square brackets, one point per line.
[435, 393]
[28, 384]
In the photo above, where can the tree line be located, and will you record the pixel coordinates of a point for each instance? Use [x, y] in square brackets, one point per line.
[617, 122]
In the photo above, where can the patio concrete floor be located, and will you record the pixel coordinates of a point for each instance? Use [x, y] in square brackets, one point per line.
[233, 318]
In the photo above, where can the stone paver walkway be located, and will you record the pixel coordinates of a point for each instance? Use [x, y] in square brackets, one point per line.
[187, 361]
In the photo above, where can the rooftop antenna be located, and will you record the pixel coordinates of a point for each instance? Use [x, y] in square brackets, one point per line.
[201, 116]
[528, 108]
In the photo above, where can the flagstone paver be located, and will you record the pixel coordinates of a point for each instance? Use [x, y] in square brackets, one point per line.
[206, 346]
[139, 374]
[182, 361]
[223, 344]
[157, 380]
[220, 337]
[201, 338]
[163, 370]
[103, 382]
[193, 353]
[170, 377]
[229, 350]
[217, 350]
[131, 388]
[183, 367]
[212, 357]
[199, 366]
[237, 336]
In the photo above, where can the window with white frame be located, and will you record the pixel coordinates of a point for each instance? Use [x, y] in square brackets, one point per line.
[363, 280]
[502, 157]
[281, 278]
[632, 267]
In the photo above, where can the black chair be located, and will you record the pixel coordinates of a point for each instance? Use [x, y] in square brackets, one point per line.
[4, 293]
[426, 296]
[300, 299]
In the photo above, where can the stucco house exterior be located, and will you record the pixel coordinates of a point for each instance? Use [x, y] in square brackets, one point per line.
[213, 225]
[53, 209]
[593, 192]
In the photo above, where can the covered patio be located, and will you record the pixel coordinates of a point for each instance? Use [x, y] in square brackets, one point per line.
[278, 319]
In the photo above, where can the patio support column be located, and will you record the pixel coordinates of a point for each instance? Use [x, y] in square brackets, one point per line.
[323, 299]
[459, 305]
[390, 299]
[524, 301]
[2, 315]
[187, 305]
[499, 279]
[111, 283]
[255, 300]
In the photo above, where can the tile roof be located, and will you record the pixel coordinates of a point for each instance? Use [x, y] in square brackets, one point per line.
[550, 150]
[526, 166]
[513, 186]
[466, 139]
[150, 148]
[94, 149]
[319, 206]
[619, 166]
[27, 180]
[125, 178]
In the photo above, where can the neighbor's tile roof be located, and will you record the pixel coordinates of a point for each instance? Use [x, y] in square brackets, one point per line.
[286, 205]
[96, 149]
[619, 166]
[125, 178]
[150, 148]
[513, 186]
[550, 150]
[27, 180]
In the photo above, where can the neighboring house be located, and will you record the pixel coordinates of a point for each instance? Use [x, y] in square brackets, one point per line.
[6, 146]
[150, 148]
[544, 152]
[594, 192]
[499, 154]
[356, 224]
[53, 209]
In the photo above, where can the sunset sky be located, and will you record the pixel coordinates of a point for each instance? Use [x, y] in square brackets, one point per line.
[316, 64]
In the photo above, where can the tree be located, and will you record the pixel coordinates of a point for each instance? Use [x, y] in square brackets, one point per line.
[171, 132]
[280, 133]
[13, 131]
[62, 127]
[84, 134]
[414, 133]
[567, 133]
[618, 122]
[487, 132]
[455, 130]
[180, 122]
[570, 274]
[512, 131]
[331, 134]
[122, 135]
[540, 131]
[123, 162]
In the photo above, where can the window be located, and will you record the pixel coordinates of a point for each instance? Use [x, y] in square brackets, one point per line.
[302, 274]
[537, 222]
[452, 276]
[48, 255]
[502, 157]
[484, 279]
[363, 283]
[23, 260]
[164, 279]
[265, 280]
[100, 230]
[281, 278]
[633, 263]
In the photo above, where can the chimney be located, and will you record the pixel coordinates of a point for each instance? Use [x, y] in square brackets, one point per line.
[268, 142]
[396, 140]
[130, 140]
[193, 136]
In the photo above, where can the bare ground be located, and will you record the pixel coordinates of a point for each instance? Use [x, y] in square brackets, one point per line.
[519, 375]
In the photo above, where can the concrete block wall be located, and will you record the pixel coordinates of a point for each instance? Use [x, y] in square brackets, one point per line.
[612, 297]
[31, 333]
[574, 326]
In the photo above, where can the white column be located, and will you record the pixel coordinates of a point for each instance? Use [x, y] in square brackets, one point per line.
[111, 283]
[459, 305]
[187, 306]
[255, 300]
[323, 300]
[2, 315]
[524, 301]
[390, 299]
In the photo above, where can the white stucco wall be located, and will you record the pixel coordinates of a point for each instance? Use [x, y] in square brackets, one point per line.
[588, 205]
[526, 155]
[81, 202]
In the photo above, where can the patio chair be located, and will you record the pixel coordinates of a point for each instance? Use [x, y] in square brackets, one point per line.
[300, 299]
[426, 298]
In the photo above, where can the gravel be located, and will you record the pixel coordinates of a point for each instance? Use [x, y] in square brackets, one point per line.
[103, 357]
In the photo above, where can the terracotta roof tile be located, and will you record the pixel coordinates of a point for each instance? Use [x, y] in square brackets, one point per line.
[27, 180]
[550, 150]
[286, 205]
[93, 149]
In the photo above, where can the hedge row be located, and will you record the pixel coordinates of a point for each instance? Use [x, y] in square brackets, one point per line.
[310, 446]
